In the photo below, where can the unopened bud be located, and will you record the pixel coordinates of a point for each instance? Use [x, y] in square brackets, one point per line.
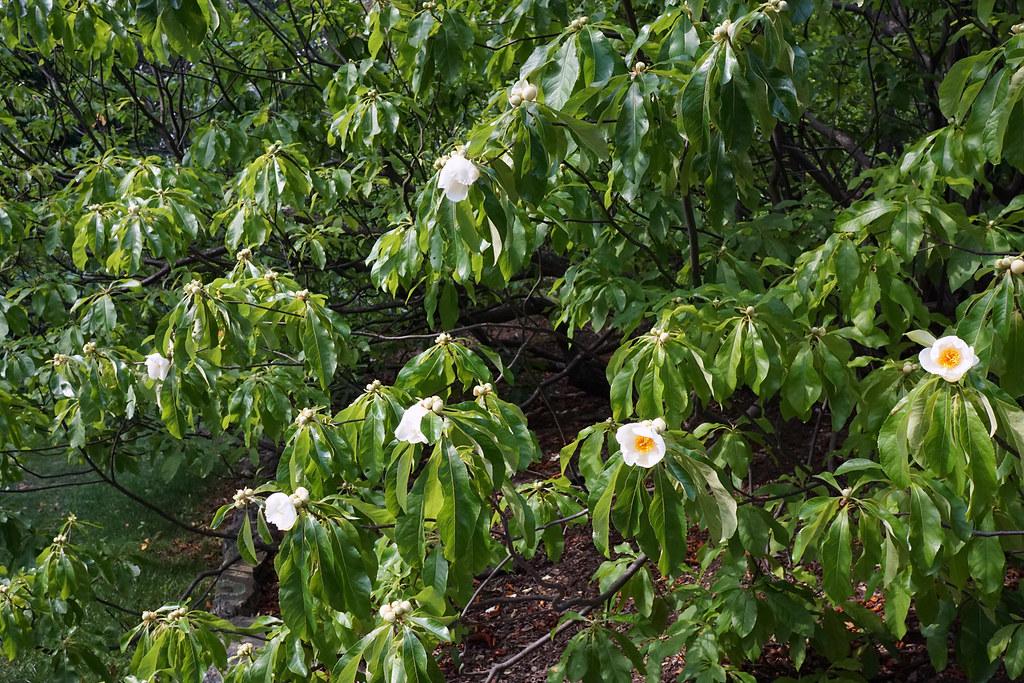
[440, 162]
[1017, 266]
[193, 288]
[270, 276]
[89, 348]
[60, 360]
[304, 417]
[442, 339]
[749, 310]
[149, 617]
[300, 498]
[908, 368]
[722, 32]
[530, 92]
[515, 99]
[302, 295]
[658, 425]
[436, 405]
[243, 255]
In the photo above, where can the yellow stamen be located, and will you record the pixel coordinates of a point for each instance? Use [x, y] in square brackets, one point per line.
[949, 358]
[643, 443]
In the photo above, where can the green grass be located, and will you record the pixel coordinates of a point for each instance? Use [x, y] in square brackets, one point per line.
[168, 557]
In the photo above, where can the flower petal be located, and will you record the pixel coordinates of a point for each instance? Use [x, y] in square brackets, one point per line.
[408, 429]
[456, 192]
[928, 363]
[280, 511]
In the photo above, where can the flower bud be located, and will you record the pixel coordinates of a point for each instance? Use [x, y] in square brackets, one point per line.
[149, 617]
[301, 497]
[436, 405]
[1017, 266]
[243, 255]
[530, 92]
[515, 99]
[749, 310]
[406, 606]
[442, 339]
[908, 368]
[440, 162]
[178, 613]
[302, 295]
[658, 425]
[270, 276]
[89, 348]
[1002, 263]
[639, 67]
[722, 32]
[305, 417]
[387, 614]
[193, 288]
[245, 651]
[60, 360]
[783, 5]
[1017, 29]
[663, 338]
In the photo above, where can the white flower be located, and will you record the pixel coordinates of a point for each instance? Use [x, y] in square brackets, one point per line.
[949, 357]
[408, 429]
[641, 444]
[456, 176]
[157, 367]
[280, 511]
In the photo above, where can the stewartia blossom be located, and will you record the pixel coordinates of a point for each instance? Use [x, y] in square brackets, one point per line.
[157, 367]
[408, 429]
[456, 176]
[282, 510]
[949, 357]
[641, 442]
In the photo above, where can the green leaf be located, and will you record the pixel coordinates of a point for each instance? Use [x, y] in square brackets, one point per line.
[318, 346]
[630, 131]
[836, 558]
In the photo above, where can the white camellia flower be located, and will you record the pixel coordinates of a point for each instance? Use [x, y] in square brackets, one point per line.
[281, 511]
[949, 357]
[457, 174]
[157, 367]
[408, 429]
[641, 444]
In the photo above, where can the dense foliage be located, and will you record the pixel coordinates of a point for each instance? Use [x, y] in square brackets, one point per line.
[220, 219]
